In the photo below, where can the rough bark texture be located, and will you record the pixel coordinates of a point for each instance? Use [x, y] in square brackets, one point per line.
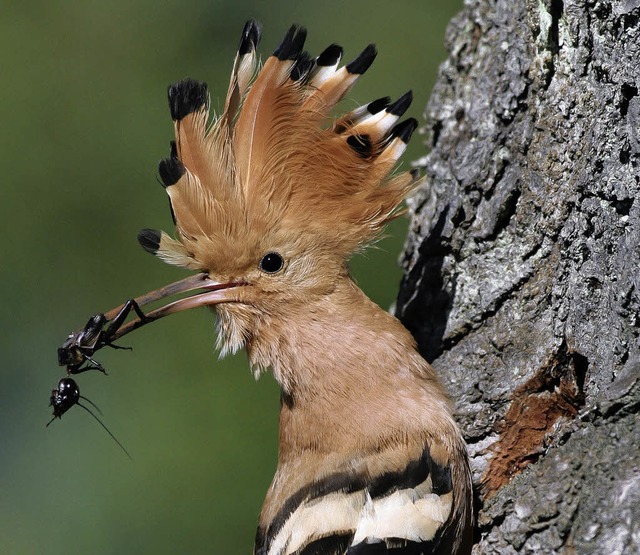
[522, 267]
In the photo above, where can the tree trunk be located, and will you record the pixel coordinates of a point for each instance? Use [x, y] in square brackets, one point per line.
[522, 267]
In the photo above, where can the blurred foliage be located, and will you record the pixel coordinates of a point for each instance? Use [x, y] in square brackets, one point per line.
[85, 121]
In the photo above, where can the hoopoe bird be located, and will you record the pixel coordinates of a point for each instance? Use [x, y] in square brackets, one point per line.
[269, 202]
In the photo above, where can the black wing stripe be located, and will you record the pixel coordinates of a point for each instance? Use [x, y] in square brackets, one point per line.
[392, 546]
[413, 475]
[335, 544]
[441, 479]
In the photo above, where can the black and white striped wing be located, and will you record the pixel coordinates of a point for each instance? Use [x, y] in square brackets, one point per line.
[349, 514]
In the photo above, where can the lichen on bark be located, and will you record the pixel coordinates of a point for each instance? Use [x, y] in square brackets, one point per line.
[522, 267]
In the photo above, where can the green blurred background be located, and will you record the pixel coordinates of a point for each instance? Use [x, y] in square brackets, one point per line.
[84, 123]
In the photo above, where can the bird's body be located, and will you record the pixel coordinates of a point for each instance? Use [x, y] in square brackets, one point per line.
[270, 201]
[368, 448]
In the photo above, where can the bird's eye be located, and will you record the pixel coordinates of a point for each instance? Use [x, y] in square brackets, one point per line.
[271, 263]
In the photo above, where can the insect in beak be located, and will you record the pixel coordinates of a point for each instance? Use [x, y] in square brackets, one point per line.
[103, 329]
[66, 395]
[213, 292]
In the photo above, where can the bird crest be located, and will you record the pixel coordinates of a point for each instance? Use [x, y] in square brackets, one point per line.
[275, 164]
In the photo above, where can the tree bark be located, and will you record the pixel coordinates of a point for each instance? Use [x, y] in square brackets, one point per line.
[522, 267]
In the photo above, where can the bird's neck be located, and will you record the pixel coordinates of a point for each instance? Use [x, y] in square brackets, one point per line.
[357, 398]
[326, 341]
[349, 371]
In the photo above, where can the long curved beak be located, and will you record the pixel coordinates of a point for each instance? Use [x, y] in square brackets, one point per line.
[210, 292]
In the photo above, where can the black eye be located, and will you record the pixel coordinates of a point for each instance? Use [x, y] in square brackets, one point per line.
[271, 263]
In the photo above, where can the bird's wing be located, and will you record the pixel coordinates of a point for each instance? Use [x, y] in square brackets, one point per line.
[406, 511]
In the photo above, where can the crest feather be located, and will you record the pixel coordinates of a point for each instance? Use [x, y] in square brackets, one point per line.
[244, 68]
[274, 161]
[167, 249]
[270, 98]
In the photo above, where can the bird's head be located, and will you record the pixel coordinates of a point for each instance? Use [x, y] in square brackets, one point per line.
[272, 197]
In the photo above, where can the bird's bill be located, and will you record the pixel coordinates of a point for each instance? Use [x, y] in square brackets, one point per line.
[210, 292]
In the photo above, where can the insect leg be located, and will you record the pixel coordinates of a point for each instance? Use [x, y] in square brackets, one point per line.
[108, 335]
[119, 319]
[78, 368]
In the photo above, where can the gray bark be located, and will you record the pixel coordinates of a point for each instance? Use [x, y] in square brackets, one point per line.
[522, 267]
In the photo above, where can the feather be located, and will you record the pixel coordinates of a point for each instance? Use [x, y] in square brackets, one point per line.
[361, 113]
[376, 125]
[332, 88]
[268, 100]
[167, 249]
[244, 68]
[189, 104]
[413, 503]
[326, 64]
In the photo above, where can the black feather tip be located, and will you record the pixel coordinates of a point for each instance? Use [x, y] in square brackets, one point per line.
[149, 240]
[187, 96]
[378, 105]
[404, 130]
[361, 144]
[330, 56]
[250, 37]
[363, 62]
[302, 67]
[400, 106]
[171, 170]
[291, 44]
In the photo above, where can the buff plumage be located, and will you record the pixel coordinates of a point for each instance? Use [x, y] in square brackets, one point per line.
[274, 195]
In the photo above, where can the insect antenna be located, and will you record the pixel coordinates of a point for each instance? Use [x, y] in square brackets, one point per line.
[102, 424]
[91, 403]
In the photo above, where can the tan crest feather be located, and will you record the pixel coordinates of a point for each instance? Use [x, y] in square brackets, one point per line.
[244, 67]
[270, 162]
